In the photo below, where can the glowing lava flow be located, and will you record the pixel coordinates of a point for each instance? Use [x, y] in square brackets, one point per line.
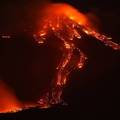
[67, 24]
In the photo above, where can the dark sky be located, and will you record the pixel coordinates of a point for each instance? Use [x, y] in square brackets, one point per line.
[17, 15]
[93, 89]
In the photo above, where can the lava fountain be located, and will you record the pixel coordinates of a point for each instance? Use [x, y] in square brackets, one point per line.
[67, 24]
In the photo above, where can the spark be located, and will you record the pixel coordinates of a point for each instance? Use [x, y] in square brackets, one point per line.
[6, 36]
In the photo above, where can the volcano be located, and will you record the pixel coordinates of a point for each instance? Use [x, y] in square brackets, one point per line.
[59, 30]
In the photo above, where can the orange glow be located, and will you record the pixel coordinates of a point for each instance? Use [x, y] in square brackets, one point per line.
[64, 10]
[8, 100]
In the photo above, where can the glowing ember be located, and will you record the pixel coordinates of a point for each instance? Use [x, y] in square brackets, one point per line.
[65, 22]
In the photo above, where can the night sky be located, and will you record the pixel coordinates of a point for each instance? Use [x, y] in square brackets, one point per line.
[94, 89]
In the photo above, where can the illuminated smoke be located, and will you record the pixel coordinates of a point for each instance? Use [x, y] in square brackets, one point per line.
[67, 24]
[8, 100]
